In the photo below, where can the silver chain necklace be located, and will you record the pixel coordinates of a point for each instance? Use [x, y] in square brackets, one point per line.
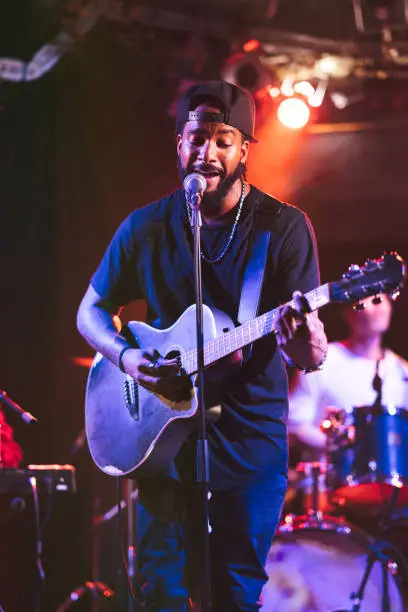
[230, 238]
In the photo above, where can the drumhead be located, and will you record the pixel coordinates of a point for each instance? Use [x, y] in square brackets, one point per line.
[317, 570]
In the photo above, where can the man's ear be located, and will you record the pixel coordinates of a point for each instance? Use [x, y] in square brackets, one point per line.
[244, 151]
[178, 142]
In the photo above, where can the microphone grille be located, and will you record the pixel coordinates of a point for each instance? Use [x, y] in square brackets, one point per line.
[195, 183]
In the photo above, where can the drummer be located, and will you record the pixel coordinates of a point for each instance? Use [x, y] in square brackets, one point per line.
[359, 371]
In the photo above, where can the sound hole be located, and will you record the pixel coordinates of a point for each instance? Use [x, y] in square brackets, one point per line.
[174, 354]
[182, 385]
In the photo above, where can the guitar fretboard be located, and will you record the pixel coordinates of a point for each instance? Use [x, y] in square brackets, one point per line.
[249, 332]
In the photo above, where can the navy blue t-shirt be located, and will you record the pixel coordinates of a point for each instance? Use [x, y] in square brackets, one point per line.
[151, 258]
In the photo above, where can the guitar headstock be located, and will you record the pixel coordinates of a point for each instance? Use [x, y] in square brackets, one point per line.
[383, 275]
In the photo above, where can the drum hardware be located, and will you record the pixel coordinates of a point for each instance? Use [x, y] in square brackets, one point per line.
[292, 522]
[374, 555]
[313, 564]
[97, 590]
[315, 493]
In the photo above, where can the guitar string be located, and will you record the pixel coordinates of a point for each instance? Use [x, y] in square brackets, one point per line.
[239, 336]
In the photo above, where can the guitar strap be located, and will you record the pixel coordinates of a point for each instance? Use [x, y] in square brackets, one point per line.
[253, 279]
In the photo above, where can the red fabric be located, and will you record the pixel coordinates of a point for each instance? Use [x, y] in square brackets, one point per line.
[11, 454]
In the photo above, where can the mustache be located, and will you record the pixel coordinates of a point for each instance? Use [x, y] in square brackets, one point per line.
[203, 168]
[225, 182]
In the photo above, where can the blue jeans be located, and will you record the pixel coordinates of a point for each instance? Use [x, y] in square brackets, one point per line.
[243, 523]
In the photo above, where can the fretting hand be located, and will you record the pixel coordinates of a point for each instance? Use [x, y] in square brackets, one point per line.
[300, 334]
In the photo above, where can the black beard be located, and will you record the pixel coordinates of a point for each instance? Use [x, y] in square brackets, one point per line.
[210, 200]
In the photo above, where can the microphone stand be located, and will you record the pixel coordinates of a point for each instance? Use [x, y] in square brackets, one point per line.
[202, 455]
[5, 400]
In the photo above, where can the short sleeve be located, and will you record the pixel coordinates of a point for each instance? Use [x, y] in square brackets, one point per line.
[116, 277]
[297, 266]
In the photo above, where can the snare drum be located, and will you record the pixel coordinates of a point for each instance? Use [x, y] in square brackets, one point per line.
[315, 567]
[372, 459]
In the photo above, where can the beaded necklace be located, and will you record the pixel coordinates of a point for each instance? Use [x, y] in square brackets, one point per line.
[230, 238]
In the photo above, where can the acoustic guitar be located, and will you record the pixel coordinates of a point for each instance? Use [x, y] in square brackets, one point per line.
[131, 431]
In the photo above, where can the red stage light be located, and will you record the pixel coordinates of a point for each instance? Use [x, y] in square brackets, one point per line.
[251, 45]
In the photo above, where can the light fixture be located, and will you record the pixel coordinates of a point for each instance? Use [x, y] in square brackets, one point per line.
[333, 66]
[287, 86]
[304, 88]
[246, 70]
[251, 45]
[293, 113]
[316, 99]
[273, 91]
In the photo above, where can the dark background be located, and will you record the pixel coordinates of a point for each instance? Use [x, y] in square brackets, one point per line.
[93, 139]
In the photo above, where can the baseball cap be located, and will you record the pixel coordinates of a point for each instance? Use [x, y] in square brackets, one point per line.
[238, 107]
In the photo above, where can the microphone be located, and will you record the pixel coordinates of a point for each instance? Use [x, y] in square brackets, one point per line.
[194, 185]
[7, 401]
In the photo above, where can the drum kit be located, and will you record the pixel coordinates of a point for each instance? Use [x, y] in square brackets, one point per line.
[336, 548]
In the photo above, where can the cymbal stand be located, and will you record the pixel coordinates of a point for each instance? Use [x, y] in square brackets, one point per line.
[374, 555]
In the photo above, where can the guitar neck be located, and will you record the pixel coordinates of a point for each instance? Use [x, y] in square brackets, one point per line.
[249, 332]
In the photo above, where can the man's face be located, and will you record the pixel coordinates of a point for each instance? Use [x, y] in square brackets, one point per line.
[216, 150]
[375, 319]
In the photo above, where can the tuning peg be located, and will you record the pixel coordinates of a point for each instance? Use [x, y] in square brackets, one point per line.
[377, 299]
[370, 264]
[359, 306]
[353, 270]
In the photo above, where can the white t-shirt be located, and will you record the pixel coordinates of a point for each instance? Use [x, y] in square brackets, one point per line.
[346, 381]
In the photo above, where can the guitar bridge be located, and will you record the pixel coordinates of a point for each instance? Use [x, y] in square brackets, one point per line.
[131, 395]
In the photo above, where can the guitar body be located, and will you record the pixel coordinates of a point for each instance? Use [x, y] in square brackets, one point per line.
[124, 422]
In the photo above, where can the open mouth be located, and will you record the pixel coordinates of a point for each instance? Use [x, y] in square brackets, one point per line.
[210, 175]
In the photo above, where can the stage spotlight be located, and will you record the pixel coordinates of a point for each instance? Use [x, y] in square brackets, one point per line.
[304, 88]
[273, 91]
[287, 86]
[316, 99]
[293, 113]
[339, 100]
[251, 45]
[333, 66]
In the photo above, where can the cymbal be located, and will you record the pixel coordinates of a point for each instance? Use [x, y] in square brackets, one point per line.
[84, 362]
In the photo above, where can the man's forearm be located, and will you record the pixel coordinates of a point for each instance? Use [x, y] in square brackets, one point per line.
[101, 330]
